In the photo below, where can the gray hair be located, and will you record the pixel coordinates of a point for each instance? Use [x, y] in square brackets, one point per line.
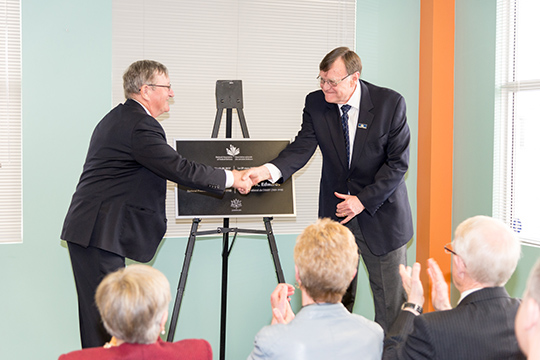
[132, 301]
[140, 73]
[489, 249]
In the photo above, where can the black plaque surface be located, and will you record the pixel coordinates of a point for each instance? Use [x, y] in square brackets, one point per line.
[265, 199]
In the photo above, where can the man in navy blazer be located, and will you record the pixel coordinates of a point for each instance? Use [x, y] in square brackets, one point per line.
[362, 132]
[485, 253]
[118, 208]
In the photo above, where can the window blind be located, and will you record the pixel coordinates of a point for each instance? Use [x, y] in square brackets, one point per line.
[517, 122]
[273, 46]
[10, 122]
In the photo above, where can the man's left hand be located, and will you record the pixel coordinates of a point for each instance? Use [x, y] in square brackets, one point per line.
[348, 208]
[440, 295]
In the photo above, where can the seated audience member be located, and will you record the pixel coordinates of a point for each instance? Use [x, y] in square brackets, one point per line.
[528, 317]
[133, 303]
[484, 256]
[326, 260]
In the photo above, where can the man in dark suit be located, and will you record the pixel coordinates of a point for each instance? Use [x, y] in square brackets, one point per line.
[362, 132]
[485, 254]
[118, 208]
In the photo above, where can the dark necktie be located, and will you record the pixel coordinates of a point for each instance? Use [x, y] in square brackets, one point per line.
[345, 125]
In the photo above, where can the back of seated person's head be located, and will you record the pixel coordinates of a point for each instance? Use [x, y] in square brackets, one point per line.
[527, 322]
[489, 249]
[326, 256]
[132, 302]
[533, 284]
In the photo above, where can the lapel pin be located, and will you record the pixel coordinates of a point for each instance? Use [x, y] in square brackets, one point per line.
[362, 126]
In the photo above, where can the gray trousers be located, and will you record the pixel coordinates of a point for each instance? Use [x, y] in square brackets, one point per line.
[384, 280]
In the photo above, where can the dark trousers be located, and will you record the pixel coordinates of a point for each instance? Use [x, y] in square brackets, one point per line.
[90, 265]
[384, 280]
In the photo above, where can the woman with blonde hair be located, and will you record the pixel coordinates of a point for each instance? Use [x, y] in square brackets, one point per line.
[326, 260]
[133, 304]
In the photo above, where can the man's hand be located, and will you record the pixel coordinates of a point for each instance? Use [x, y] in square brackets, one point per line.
[348, 208]
[440, 298]
[256, 174]
[410, 278]
[281, 308]
[242, 185]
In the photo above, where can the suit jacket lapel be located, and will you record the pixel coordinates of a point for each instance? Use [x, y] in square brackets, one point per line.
[365, 118]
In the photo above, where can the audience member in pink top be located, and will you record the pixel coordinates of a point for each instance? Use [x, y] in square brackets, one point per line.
[133, 303]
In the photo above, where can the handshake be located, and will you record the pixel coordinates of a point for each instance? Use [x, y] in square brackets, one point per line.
[244, 180]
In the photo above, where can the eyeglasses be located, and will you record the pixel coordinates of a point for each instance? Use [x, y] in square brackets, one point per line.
[448, 250]
[163, 86]
[331, 82]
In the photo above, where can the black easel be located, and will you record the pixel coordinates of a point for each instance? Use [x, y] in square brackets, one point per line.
[228, 96]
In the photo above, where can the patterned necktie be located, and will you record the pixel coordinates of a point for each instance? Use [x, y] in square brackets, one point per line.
[345, 125]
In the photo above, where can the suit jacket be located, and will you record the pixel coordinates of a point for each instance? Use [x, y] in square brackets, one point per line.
[480, 327]
[191, 349]
[320, 331]
[379, 162]
[119, 203]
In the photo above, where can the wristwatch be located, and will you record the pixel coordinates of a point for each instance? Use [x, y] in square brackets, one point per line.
[415, 307]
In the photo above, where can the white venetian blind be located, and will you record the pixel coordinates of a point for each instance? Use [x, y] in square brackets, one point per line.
[273, 46]
[10, 122]
[517, 124]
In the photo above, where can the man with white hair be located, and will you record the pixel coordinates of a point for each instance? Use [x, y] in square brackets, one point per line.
[528, 316]
[485, 253]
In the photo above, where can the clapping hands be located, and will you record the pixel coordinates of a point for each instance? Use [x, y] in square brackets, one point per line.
[281, 308]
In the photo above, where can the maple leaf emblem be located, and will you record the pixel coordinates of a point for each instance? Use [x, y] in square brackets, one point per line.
[236, 204]
[233, 150]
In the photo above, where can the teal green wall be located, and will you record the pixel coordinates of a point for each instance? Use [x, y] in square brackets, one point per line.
[474, 108]
[474, 96]
[387, 40]
[66, 90]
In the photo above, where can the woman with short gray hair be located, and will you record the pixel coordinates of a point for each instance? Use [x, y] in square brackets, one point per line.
[133, 304]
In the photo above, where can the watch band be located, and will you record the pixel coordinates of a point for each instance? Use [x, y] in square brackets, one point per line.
[415, 307]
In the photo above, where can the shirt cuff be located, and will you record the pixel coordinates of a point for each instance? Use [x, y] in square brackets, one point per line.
[275, 173]
[229, 180]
